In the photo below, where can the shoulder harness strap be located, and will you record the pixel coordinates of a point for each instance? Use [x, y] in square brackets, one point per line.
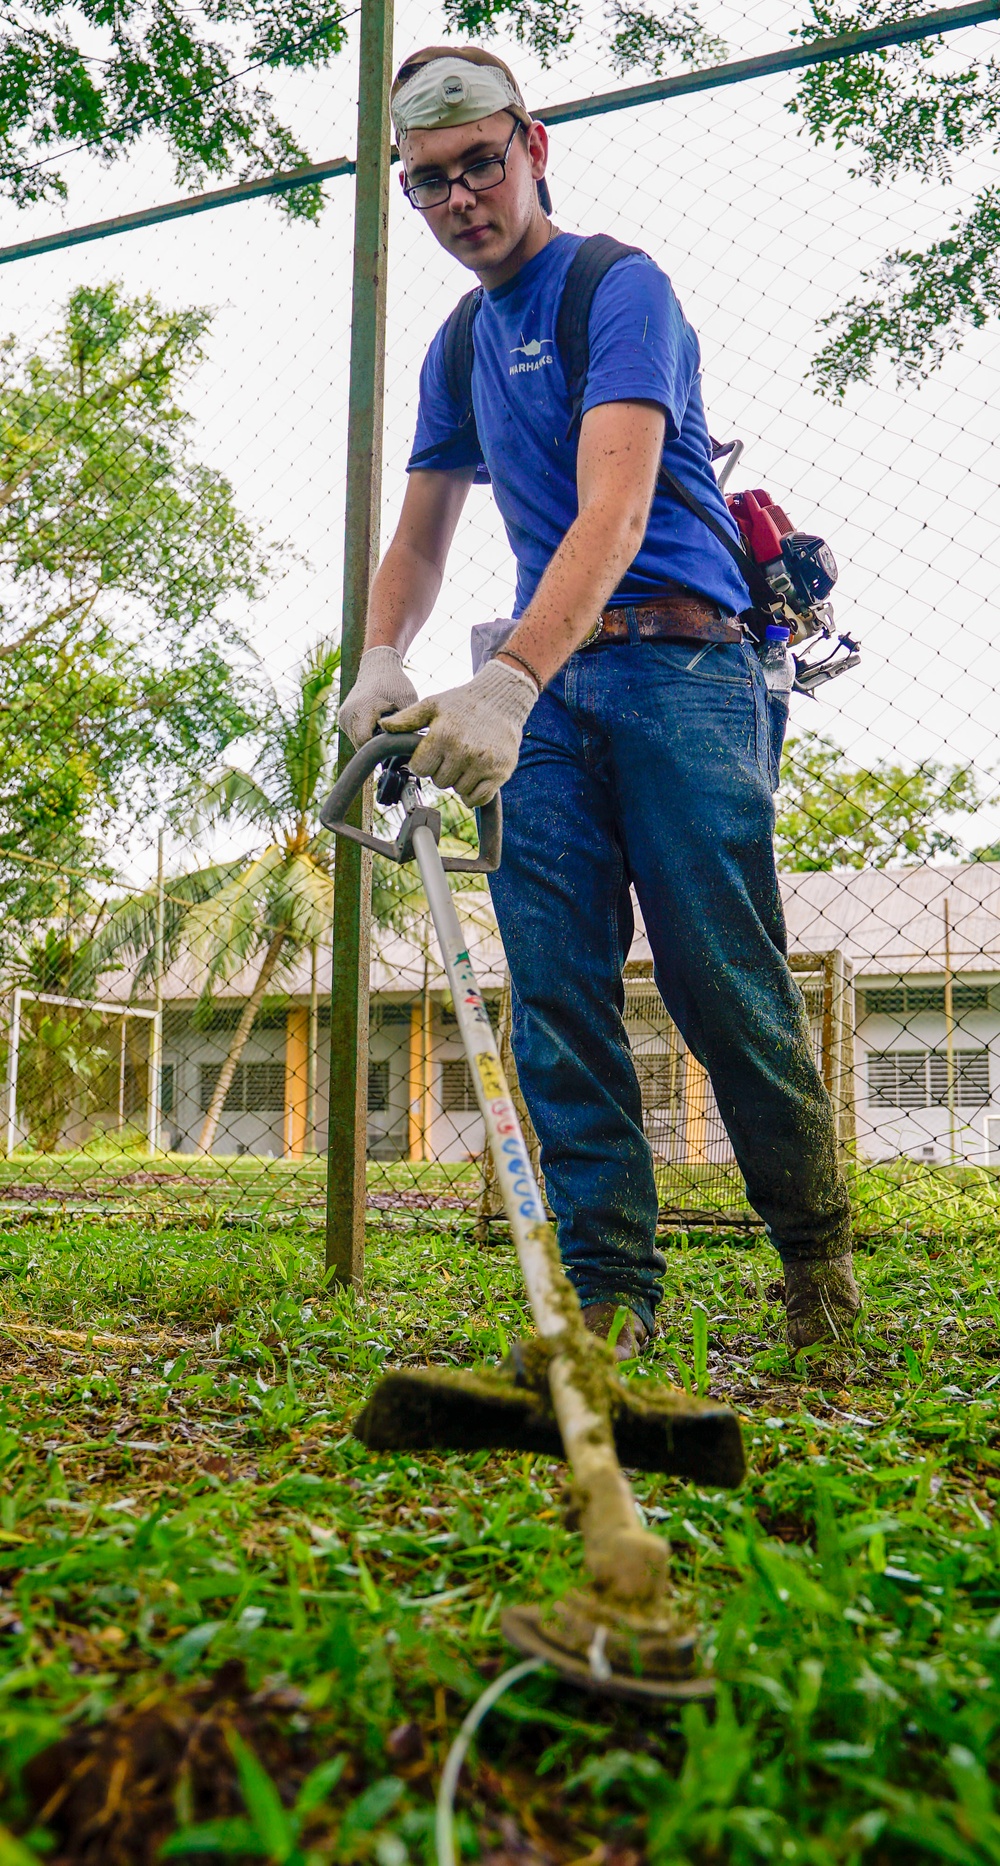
[594, 257]
[460, 352]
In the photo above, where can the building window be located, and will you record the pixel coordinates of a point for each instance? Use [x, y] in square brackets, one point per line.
[661, 1078]
[457, 1093]
[383, 1013]
[919, 1078]
[167, 1088]
[907, 1000]
[256, 1088]
[264, 1088]
[491, 1005]
[378, 1088]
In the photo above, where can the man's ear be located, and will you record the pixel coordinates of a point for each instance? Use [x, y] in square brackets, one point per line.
[538, 149]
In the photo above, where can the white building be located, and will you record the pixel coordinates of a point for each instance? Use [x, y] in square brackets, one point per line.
[883, 956]
[915, 939]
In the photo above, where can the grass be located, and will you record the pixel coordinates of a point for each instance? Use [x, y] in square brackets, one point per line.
[215, 1606]
[107, 1179]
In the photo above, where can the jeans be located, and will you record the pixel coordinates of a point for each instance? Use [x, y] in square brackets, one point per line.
[653, 764]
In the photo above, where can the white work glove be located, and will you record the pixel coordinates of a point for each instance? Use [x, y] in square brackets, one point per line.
[475, 731]
[381, 687]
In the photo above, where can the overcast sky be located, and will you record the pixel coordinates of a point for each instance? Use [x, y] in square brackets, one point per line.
[763, 235]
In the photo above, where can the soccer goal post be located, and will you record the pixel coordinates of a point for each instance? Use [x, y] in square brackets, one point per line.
[106, 1007]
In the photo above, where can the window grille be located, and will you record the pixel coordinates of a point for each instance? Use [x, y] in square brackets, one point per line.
[378, 1087]
[903, 1000]
[919, 1078]
[167, 1088]
[660, 1079]
[387, 1013]
[457, 1093]
[256, 1088]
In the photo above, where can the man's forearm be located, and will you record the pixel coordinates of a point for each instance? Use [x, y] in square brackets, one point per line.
[407, 582]
[403, 593]
[585, 570]
[617, 461]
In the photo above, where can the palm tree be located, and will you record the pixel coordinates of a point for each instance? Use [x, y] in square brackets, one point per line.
[268, 907]
[399, 904]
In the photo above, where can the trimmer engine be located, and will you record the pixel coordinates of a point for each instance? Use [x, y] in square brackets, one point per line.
[801, 571]
[800, 568]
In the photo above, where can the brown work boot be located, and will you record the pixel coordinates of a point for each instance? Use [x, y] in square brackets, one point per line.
[821, 1301]
[633, 1335]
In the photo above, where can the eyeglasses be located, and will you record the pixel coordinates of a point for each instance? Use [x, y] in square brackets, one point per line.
[482, 175]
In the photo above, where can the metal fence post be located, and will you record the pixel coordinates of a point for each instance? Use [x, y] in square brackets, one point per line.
[13, 1056]
[345, 1198]
[154, 1091]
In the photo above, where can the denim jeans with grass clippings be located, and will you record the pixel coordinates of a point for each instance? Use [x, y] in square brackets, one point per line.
[653, 764]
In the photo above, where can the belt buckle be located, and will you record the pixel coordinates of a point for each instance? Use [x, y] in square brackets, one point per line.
[595, 634]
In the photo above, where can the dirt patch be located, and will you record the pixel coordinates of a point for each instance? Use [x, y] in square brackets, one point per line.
[405, 1201]
[110, 1795]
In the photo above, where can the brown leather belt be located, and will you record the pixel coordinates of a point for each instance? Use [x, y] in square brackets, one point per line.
[682, 615]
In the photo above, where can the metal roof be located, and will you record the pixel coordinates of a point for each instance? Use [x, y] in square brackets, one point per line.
[888, 921]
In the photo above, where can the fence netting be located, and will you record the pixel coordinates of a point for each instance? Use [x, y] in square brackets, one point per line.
[176, 557]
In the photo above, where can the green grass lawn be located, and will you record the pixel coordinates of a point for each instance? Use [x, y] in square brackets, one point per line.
[107, 1179]
[203, 1577]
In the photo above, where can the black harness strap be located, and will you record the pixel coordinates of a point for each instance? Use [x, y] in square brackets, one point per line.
[460, 351]
[753, 576]
[592, 260]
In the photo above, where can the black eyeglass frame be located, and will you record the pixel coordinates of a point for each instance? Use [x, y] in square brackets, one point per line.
[456, 181]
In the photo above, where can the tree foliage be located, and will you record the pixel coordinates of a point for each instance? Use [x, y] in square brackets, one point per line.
[264, 910]
[831, 814]
[105, 76]
[120, 552]
[637, 38]
[903, 114]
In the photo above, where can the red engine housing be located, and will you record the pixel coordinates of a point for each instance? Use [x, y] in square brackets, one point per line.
[762, 524]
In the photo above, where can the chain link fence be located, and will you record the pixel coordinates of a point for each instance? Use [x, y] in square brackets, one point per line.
[166, 964]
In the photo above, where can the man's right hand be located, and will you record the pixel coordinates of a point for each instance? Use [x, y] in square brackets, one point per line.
[381, 687]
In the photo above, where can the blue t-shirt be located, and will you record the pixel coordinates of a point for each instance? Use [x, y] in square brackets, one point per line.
[641, 349]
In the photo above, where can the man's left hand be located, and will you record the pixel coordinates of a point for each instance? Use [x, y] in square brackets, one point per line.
[475, 731]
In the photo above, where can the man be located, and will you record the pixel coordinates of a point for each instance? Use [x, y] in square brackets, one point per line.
[635, 754]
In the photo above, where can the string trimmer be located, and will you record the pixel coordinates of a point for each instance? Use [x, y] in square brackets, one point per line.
[560, 1395]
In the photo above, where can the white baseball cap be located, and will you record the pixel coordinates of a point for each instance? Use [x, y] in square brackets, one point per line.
[446, 85]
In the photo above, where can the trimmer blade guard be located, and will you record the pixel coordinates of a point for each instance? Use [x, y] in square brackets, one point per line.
[624, 1671]
[656, 1428]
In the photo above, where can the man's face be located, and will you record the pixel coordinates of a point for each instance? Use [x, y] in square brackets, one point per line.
[480, 230]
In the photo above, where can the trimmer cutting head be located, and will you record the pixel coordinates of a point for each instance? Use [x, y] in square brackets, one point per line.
[656, 1428]
[615, 1654]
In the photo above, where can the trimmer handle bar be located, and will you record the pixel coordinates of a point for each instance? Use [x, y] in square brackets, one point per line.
[397, 746]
